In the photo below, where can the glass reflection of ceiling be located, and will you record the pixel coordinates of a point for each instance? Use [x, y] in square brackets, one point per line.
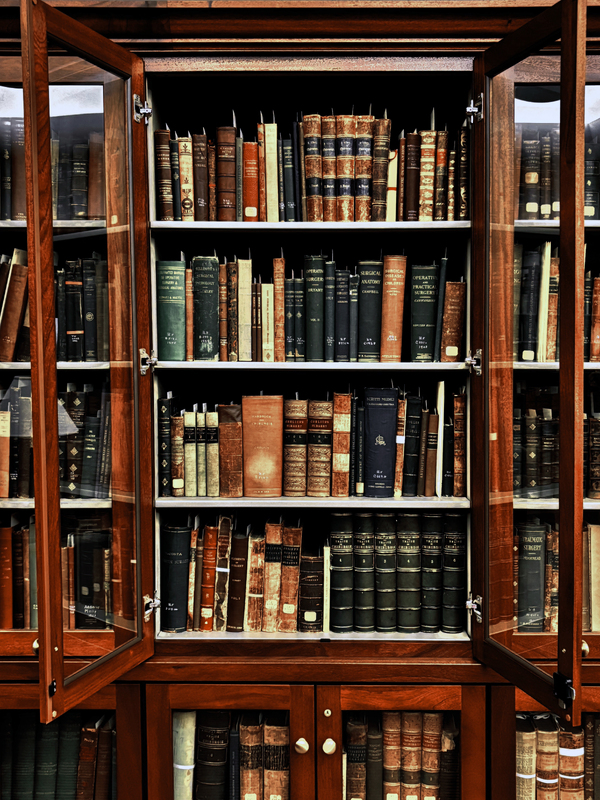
[549, 112]
[11, 102]
[74, 99]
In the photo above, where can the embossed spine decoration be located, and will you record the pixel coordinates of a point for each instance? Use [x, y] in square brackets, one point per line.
[226, 174]
[340, 468]
[427, 175]
[313, 167]
[163, 184]
[320, 435]
[381, 153]
[272, 582]
[294, 447]
[363, 168]
[346, 135]
[329, 167]
[186, 177]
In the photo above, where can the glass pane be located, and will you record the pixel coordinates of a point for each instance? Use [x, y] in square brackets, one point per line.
[94, 298]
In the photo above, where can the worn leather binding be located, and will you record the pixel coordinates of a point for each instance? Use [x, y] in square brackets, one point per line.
[431, 752]
[342, 574]
[13, 311]
[431, 454]
[314, 276]
[251, 754]
[454, 575]
[279, 307]
[239, 179]
[237, 582]
[280, 180]
[177, 458]
[276, 754]
[192, 578]
[570, 767]
[272, 582]
[230, 451]
[186, 177]
[222, 574]
[320, 438]
[232, 310]
[412, 176]
[174, 560]
[392, 307]
[294, 447]
[262, 445]
[340, 467]
[313, 167]
[552, 336]
[453, 321]
[427, 175]
[310, 593]
[400, 442]
[209, 567]
[460, 446]
[225, 173]
[328, 136]
[251, 182]
[345, 140]
[374, 785]
[96, 177]
[546, 757]
[412, 738]
[287, 619]
[212, 182]
[175, 179]
[451, 203]
[198, 578]
[223, 313]
[401, 178]
[463, 173]
[363, 544]
[381, 150]
[6, 579]
[363, 168]
[391, 730]
[212, 744]
[255, 578]
[200, 170]
[356, 748]
[206, 308]
[189, 315]
[441, 176]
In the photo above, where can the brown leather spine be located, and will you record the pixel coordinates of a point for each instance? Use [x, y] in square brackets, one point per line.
[462, 168]
[356, 739]
[64, 582]
[222, 574]
[313, 165]
[422, 452]
[548, 581]
[4, 453]
[302, 171]
[250, 182]
[412, 174]
[237, 583]
[189, 315]
[272, 581]
[412, 742]
[391, 730]
[230, 451]
[162, 181]
[392, 307]
[226, 174]
[86, 768]
[255, 582]
[212, 182]
[177, 461]
[552, 337]
[401, 178]
[103, 767]
[431, 455]
[427, 175]
[96, 178]
[441, 177]
[186, 176]
[6, 579]
[460, 446]
[13, 311]
[262, 417]
[381, 157]
[192, 579]
[223, 350]
[451, 204]
[251, 756]
[279, 307]
[320, 430]
[363, 166]
[276, 758]
[453, 321]
[294, 448]
[329, 166]
[340, 464]
[290, 579]
[595, 332]
[262, 175]
[431, 753]
[570, 767]
[400, 441]
[71, 562]
[209, 567]
[345, 130]
[200, 164]
[232, 310]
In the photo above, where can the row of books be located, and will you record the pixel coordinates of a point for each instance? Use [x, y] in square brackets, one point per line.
[16, 444]
[14, 307]
[390, 755]
[223, 755]
[219, 312]
[329, 169]
[374, 572]
[388, 444]
[536, 303]
[72, 758]
[18, 575]
[13, 200]
[554, 762]
[535, 567]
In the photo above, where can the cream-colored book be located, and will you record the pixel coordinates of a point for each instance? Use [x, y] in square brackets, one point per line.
[439, 464]
[542, 336]
[201, 453]
[594, 534]
[184, 741]
[190, 471]
[212, 454]
[326, 586]
[392, 187]
[244, 309]
[271, 175]
[268, 323]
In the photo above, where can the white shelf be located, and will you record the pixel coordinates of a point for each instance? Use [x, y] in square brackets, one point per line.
[429, 503]
[541, 504]
[57, 224]
[78, 365]
[548, 365]
[316, 365]
[346, 227]
[199, 636]
[17, 503]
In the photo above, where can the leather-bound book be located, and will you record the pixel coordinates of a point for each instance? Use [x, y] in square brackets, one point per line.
[441, 176]
[90, 349]
[381, 149]
[244, 309]
[299, 320]
[392, 187]
[79, 180]
[5, 169]
[400, 442]
[588, 721]
[209, 567]
[262, 185]
[353, 287]
[463, 157]
[279, 307]
[237, 582]
[412, 176]
[295, 427]
[205, 271]
[432, 538]
[546, 176]
[74, 308]
[88, 756]
[212, 747]
[225, 159]
[374, 782]
[200, 171]
[272, 581]
[232, 311]
[532, 539]
[530, 173]
[170, 294]
[18, 580]
[342, 318]
[320, 439]
[385, 572]
[13, 310]
[412, 739]
[340, 467]
[310, 593]
[234, 756]
[431, 453]
[222, 574]
[18, 180]
[280, 181]
[593, 485]
[341, 600]
[289, 318]
[223, 313]
[251, 182]
[184, 742]
[298, 160]
[381, 406]
[287, 620]
[230, 451]
[525, 756]
[329, 298]
[266, 314]
[239, 178]
[212, 182]
[408, 572]
[363, 544]
[212, 454]
[314, 276]
[262, 445]
[96, 177]
[570, 763]
[287, 150]
[24, 446]
[546, 756]
[439, 322]
[451, 200]
[177, 457]
[255, 581]
[595, 322]
[369, 310]
[313, 167]
[553, 294]
[401, 176]
[454, 572]
[345, 142]
[360, 452]
[198, 576]
[555, 172]
[460, 445]
[424, 286]
[271, 173]
[363, 168]
[276, 755]
[453, 321]
[103, 763]
[329, 165]
[302, 160]
[174, 571]
[175, 178]
[251, 755]
[431, 752]
[391, 729]
[392, 307]
[5, 453]
[186, 177]
[356, 748]
[449, 759]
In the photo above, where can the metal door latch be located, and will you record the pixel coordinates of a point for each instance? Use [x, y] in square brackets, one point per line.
[52, 689]
[475, 607]
[140, 110]
[147, 361]
[475, 109]
[563, 690]
[474, 361]
[150, 605]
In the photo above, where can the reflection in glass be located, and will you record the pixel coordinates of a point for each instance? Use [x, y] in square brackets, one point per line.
[12, 150]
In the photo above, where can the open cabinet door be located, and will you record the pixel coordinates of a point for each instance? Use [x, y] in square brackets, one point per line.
[87, 212]
[533, 377]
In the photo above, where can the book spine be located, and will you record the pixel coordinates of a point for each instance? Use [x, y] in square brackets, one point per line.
[369, 310]
[184, 740]
[5, 169]
[363, 168]
[205, 271]
[200, 168]
[230, 451]
[170, 292]
[294, 447]
[310, 594]
[186, 178]
[251, 756]
[408, 572]
[262, 186]
[431, 753]
[288, 180]
[280, 181]
[225, 173]
[342, 573]
[391, 731]
[212, 454]
[262, 445]
[329, 310]
[356, 748]
[381, 148]
[380, 450]
[400, 443]
[189, 315]
[329, 166]
[222, 574]
[314, 272]
[463, 173]
[232, 311]
[363, 544]
[244, 309]
[61, 317]
[454, 573]
[163, 185]
[11, 322]
[271, 173]
[413, 172]
[441, 176]
[360, 452]
[545, 175]
[190, 475]
[531, 577]
[437, 348]
[392, 309]
[427, 175]
[340, 468]
[175, 179]
[279, 308]
[411, 446]
[453, 321]
[313, 167]
[423, 305]
[289, 319]
[296, 157]
[272, 580]
[223, 313]
[431, 455]
[79, 181]
[267, 324]
[239, 179]
[209, 567]
[212, 182]
[301, 156]
[237, 583]
[411, 753]
[571, 762]
[342, 315]
[392, 187]
[201, 453]
[553, 301]
[345, 158]
[276, 756]
[192, 579]
[451, 205]
[175, 555]
[177, 457]
[385, 572]
[353, 289]
[530, 175]
[255, 582]
[251, 201]
[460, 446]
[299, 320]
[320, 435]
[290, 579]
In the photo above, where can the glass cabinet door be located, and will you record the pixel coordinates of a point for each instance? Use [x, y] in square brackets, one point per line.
[533, 371]
[87, 150]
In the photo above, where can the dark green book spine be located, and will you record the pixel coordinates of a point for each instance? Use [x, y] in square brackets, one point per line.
[314, 276]
[280, 184]
[170, 301]
[454, 572]
[239, 180]
[432, 540]
[299, 320]
[352, 476]
[408, 572]
[24, 756]
[89, 310]
[68, 756]
[363, 544]
[46, 762]
[175, 179]
[360, 452]
[587, 314]
[61, 316]
[174, 564]
[385, 572]
[74, 306]
[90, 456]
[353, 287]
[288, 302]
[205, 270]
[532, 452]
[342, 315]
[380, 441]
[532, 540]
[437, 349]
[288, 181]
[341, 619]
[411, 446]
[369, 310]
[423, 306]
[374, 758]
[330, 311]
[530, 298]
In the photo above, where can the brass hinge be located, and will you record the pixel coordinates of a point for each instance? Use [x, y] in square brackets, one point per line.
[475, 607]
[140, 110]
[147, 361]
[150, 605]
[474, 361]
[475, 109]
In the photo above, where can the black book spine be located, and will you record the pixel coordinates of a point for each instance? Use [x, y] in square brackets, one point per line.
[5, 168]
[175, 178]
[411, 446]
[545, 175]
[363, 544]
[310, 594]
[528, 319]
[530, 172]
[330, 298]
[353, 285]
[531, 464]
[314, 276]
[89, 309]
[437, 349]
[352, 475]
[360, 452]
[546, 454]
[299, 320]
[454, 573]
[296, 155]
[90, 456]
[205, 271]
[174, 565]
[380, 441]
[79, 181]
[530, 615]
[15, 414]
[164, 446]
[385, 572]
[280, 182]
[212, 746]
[288, 181]
[591, 195]
[61, 316]
[342, 318]
[432, 541]
[408, 572]
[369, 310]
[555, 171]
[587, 314]
[423, 306]
[288, 302]
[64, 177]
[448, 461]
[90, 612]
[74, 309]
[234, 764]
[62, 446]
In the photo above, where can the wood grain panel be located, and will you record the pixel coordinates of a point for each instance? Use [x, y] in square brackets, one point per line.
[329, 726]
[159, 742]
[302, 726]
[19, 696]
[130, 776]
[502, 753]
[415, 698]
[473, 763]
[207, 695]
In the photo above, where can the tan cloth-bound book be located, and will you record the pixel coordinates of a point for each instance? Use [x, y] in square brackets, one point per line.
[244, 309]
[271, 174]
[263, 445]
[212, 454]
[189, 315]
[290, 579]
[272, 580]
[262, 186]
[340, 466]
[526, 744]
[392, 307]
[212, 182]
[230, 451]
[392, 187]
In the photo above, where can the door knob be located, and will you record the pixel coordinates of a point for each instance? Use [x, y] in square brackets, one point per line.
[35, 646]
[585, 648]
[302, 746]
[329, 747]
